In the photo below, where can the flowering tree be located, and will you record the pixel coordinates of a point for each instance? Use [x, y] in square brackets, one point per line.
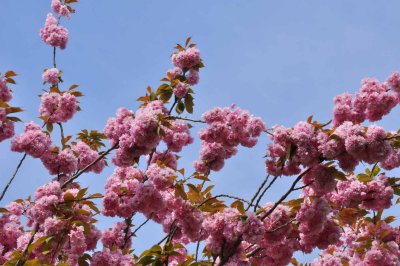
[339, 211]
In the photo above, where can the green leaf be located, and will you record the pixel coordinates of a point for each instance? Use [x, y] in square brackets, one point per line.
[180, 191]
[180, 107]
[49, 127]
[81, 193]
[36, 243]
[189, 103]
[239, 206]
[364, 178]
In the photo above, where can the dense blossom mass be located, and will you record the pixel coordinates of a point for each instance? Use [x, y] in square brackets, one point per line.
[6, 125]
[33, 142]
[54, 34]
[227, 128]
[340, 210]
[56, 107]
[51, 76]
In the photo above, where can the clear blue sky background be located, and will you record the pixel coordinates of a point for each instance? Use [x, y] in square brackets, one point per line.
[282, 60]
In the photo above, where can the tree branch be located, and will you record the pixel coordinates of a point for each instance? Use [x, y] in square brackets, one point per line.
[285, 195]
[89, 165]
[185, 119]
[12, 177]
[258, 191]
[265, 190]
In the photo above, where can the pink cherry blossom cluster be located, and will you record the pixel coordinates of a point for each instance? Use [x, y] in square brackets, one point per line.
[320, 180]
[167, 158]
[5, 92]
[307, 145]
[372, 102]
[186, 59]
[61, 9]
[46, 199]
[177, 135]
[315, 228]
[224, 228]
[54, 34]
[186, 71]
[179, 214]
[227, 128]
[115, 236]
[137, 133]
[6, 126]
[373, 195]
[111, 257]
[161, 176]
[64, 227]
[279, 218]
[86, 156]
[10, 230]
[33, 142]
[276, 246]
[58, 107]
[126, 194]
[180, 90]
[365, 244]
[60, 162]
[51, 76]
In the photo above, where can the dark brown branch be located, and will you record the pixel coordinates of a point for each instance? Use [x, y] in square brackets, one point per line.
[265, 190]
[128, 222]
[12, 177]
[306, 185]
[279, 227]
[140, 226]
[285, 195]
[252, 253]
[173, 105]
[269, 133]
[185, 119]
[54, 58]
[197, 249]
[258, 191]
[22, 261]
[225, 259]
[392, 137]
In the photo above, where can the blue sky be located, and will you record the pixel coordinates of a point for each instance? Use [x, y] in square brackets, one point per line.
[282, 60]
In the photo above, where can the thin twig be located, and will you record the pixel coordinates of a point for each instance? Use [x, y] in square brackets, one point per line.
[12, 177]
[252, 253]
[186, 119]
[258, 191]
[128, 222]
[173, 105]
[140, 226]
[280, 227]
[54, 58]
[306, 185]
[225, 258]
[263, 193]
[269, 133]
[21, 261]
[327, 123]
[197, 249]
[285, 195]
[392, 137]
[89, 165]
